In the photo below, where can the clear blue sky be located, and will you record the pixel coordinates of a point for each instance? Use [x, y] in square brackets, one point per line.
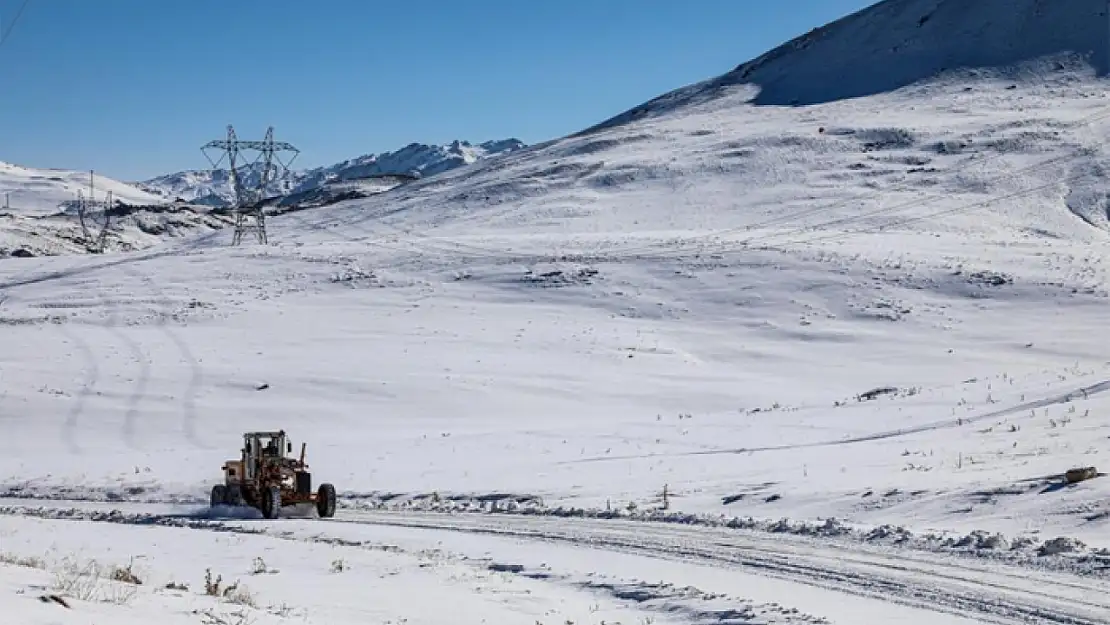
[132, 88]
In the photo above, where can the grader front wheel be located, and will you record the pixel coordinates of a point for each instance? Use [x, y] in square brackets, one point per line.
[234, 495]
[219, 495]
[271, 502]
[325, 501]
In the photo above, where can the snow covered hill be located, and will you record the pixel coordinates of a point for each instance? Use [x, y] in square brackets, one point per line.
[38, 214]
[42, 218]
[711, 260]
[35, 192]
[853, 345]
[896, 43]
[213, 187]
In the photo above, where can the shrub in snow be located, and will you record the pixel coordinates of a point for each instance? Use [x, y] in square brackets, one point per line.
[833, 527]
[980, 540]
[1080, 475]
[1061, 545]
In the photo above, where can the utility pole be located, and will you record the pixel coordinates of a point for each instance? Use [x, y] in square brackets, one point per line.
[250, 216]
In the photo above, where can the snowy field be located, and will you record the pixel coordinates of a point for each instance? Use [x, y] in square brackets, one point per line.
[726, 363]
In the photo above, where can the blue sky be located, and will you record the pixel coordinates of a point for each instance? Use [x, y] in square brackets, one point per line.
[132, 88]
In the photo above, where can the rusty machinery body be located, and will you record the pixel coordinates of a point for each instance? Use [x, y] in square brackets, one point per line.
[267, 478]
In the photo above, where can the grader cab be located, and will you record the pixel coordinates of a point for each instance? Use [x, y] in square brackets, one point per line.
[267, 478]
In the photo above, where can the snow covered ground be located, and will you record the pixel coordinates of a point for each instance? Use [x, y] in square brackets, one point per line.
[857, 344]
[390, 569]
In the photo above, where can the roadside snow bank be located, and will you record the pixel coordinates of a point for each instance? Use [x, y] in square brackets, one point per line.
[1058, 553]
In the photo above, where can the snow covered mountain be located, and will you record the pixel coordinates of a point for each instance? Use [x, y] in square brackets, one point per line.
[896, 43]
[214, 187]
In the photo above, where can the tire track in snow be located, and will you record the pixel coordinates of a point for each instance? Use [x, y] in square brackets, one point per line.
[90, 372]
[138, 391]
[679, 600]
[90, 358]
[1080, 393]
[989, 594]
[91, 377]
[1003, 595]
[92, 367]
[81, 268]
[196, 376]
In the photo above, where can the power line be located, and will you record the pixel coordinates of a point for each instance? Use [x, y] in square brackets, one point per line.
[7, 32]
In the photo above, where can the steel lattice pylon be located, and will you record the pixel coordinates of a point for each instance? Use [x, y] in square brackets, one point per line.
[250, 215]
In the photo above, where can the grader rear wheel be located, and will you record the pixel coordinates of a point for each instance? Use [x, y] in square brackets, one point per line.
[325, 501]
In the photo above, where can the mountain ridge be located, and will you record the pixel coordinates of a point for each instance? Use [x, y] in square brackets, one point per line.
[892, 44]
[213, 187]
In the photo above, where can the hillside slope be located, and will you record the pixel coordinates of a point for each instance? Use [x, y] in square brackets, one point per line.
[42, 219]
[38, 213]
[977, 157]
[896, 43]
[883, 309]
[31, 192]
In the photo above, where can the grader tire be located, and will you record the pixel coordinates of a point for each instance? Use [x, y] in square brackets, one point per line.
[219, 495]
[234, 495]
[325, 501]
[271, 502]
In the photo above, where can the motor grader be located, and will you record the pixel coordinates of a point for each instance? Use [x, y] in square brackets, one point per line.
[267, 478]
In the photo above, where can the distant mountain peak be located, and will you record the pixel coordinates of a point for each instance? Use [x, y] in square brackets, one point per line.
[414, 160]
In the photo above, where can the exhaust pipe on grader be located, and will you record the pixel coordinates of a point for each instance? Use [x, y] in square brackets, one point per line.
[266, 478]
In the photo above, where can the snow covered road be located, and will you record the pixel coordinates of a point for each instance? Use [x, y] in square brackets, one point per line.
[816, 576]
[984, 592]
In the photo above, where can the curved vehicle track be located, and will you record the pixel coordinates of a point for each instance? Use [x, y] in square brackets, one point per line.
[979, 590]
[987, 592]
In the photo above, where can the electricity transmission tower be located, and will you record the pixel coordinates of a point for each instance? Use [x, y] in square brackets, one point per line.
[86, 207]
[249, 213]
